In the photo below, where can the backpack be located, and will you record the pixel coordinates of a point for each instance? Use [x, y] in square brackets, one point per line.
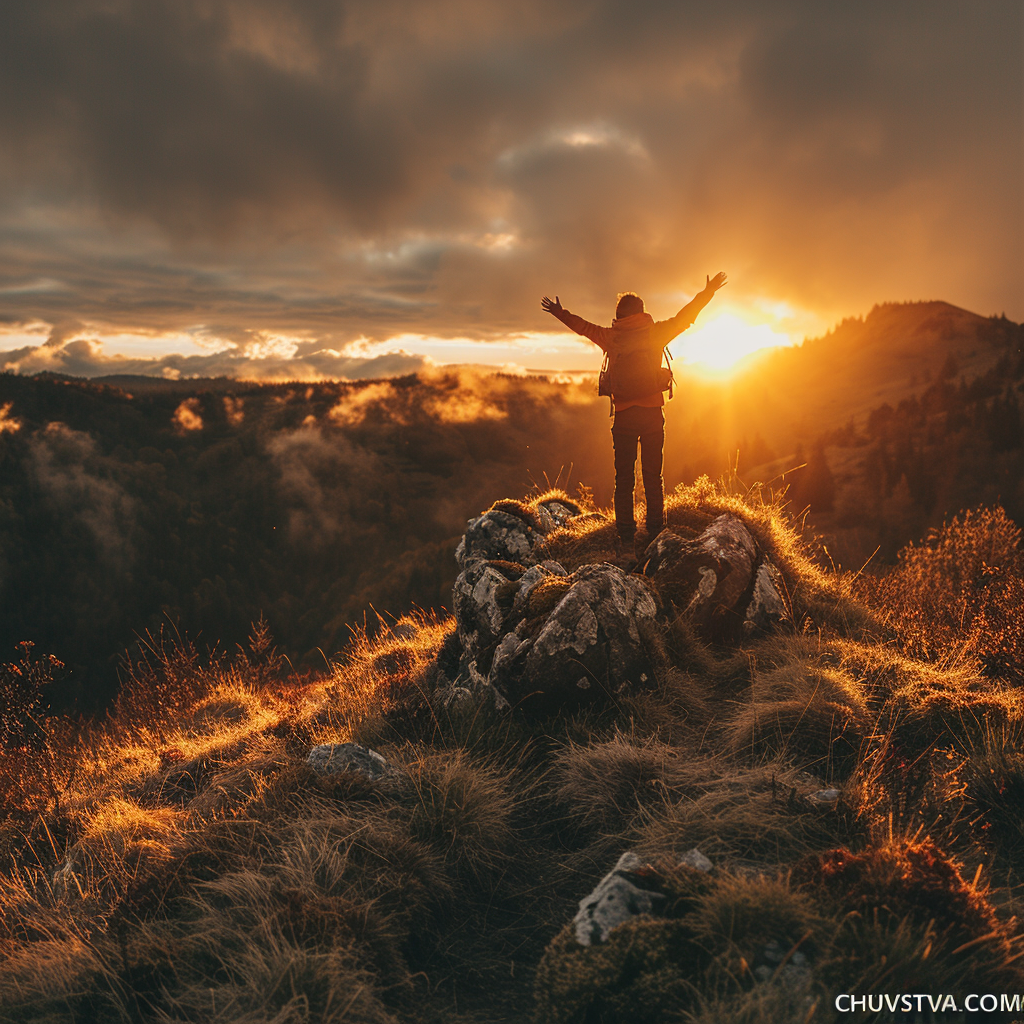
[633, 369]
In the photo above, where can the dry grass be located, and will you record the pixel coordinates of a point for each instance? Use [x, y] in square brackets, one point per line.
[958, 595]
[182, 862]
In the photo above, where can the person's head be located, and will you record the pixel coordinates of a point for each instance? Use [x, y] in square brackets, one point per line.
[629, 303]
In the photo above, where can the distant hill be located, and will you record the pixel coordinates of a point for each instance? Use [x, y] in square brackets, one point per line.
[791, 395]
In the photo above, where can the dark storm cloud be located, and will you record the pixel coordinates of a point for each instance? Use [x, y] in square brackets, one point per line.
[338, 170]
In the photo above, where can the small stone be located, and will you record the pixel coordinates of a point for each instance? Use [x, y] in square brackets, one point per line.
[616, 899]
[825, 798]
[332, 758]
[696, 860]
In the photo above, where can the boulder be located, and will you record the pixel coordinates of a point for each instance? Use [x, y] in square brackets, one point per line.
[627, 891]
[489, 598]
[482, 599]
[720, 579]
[498, 536]
[591, 642]
[332, 758]
[514, 532]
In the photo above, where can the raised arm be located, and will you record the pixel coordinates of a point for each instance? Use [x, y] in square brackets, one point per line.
[685, 317]
[598, 335]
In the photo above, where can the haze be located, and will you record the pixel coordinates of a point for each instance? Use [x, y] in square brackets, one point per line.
[311, 189]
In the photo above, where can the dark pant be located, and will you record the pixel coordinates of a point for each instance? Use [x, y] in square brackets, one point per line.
[639, 423]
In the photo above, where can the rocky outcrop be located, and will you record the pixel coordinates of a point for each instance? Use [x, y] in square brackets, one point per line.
[529, 633]
[590, 644]
[721, 580]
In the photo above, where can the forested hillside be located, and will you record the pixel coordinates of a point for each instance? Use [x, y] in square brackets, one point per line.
[207, 506]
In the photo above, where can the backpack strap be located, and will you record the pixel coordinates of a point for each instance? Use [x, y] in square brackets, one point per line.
[671, 375]
[604, 370]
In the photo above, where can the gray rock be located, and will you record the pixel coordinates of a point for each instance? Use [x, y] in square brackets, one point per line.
[719, 579]
[824, 798]
[498, 536]
[617, 898]
[482, 599]
[696, 860]
[332, 758]
[767, 609]
[554, 513]
[594, 636]
[489, 600]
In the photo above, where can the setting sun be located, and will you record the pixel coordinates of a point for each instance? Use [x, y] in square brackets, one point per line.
[716, 347]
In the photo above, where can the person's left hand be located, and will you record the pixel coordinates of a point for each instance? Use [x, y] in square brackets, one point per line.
[716, 282]
[552, 307]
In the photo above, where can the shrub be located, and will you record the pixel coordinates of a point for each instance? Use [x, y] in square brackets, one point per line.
[960, 593]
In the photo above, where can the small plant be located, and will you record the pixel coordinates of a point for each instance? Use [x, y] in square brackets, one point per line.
[162, 680]
[33, 744]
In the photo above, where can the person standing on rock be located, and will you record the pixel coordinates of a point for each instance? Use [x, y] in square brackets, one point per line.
[636, 382]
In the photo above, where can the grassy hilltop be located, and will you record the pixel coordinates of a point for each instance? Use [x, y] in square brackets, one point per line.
[182, 862]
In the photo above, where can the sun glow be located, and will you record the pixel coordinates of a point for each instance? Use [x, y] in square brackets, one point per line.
[717, 347]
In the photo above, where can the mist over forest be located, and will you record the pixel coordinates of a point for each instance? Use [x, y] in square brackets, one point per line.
[136, 504]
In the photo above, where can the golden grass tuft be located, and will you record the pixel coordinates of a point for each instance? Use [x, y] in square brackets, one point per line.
[603, 786]
[749, 815]
[740, 915]
[810, 715]
[463, 810]
[889, 888]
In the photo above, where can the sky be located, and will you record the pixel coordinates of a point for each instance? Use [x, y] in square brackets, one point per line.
[315, 188]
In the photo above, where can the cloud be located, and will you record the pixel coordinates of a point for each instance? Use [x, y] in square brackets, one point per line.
[85, 358]
[331, 172]
[79, 484]
[187, 416]
[321, 480]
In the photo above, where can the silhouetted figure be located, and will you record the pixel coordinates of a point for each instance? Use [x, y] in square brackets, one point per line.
[637, 382]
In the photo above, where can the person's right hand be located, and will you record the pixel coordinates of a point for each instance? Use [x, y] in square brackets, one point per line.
[554, 308]
[716, 282]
